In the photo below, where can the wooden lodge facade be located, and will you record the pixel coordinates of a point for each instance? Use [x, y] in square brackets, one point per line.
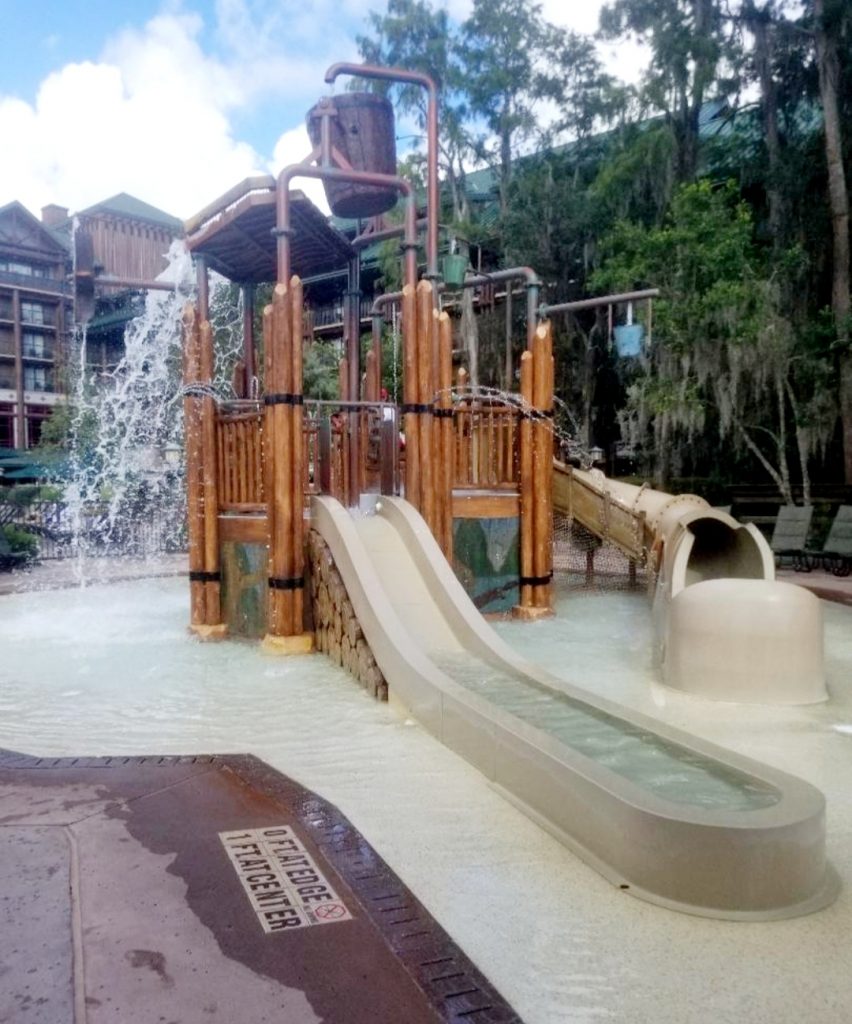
[121, 237]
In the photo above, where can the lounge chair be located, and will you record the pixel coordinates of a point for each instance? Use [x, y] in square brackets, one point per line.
[836, 554]
[790, 534]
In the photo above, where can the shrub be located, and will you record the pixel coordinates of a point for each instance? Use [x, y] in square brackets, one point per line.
[21, 540]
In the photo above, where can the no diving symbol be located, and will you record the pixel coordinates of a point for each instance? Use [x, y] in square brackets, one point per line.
[330, 911]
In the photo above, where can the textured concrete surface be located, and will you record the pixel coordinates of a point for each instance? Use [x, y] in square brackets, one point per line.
[118, 901]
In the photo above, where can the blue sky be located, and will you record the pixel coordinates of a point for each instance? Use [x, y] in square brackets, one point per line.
[173, 101]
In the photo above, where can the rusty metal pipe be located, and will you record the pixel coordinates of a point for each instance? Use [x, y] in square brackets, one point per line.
[432, 196]
[527, 274]
[384, 235]
[598, 301]
[130, 282]
[282, 203]
[203, 284]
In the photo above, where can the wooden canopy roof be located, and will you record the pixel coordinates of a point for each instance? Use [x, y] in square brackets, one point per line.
[235, 234]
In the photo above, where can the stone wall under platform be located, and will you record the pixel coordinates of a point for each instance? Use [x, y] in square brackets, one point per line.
[338, 633]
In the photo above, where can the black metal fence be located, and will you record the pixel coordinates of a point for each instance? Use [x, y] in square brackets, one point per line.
[65, 532]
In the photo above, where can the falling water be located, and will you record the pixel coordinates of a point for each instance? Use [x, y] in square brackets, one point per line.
[124, 491]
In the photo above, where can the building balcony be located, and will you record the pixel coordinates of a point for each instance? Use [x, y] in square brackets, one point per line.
[27, 282]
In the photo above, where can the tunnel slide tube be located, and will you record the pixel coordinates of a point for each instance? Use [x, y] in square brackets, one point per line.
[663, 815]
[724, 627]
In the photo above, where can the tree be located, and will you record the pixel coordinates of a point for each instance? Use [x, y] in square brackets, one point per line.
[831, 21]
[507, 53]
[724, 356]
[688, 47]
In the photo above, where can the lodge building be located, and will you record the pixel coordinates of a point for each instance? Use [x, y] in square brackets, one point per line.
[121, 237]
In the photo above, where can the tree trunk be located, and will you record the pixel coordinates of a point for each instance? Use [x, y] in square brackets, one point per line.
[828, 63]
[760, 24]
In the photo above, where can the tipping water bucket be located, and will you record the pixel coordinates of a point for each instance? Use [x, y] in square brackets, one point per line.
[362, 131]
[453, 269]
[628, 339]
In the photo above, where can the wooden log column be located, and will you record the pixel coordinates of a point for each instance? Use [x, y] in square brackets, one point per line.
[409, 396]
[536, 478]
[543, 469]
[282, 328]
[194, 467]
[212, 580]
[444, 435]
[425, 399]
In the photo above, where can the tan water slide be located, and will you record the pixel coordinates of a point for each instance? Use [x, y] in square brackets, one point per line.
[663, 815]
[724, 627]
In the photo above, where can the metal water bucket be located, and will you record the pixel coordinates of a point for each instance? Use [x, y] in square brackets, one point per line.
[363, 132]
[453, 268]
[628, 339]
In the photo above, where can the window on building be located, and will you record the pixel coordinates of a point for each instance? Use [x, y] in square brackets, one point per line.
[7, 426]
[36, 417]
[32, 312]
[38, 378]
[33, 346]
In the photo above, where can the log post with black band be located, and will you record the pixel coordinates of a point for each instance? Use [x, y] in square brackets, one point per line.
[536, 478]
[543, 468]
[282, 326]
[194, 468]
[214, 627]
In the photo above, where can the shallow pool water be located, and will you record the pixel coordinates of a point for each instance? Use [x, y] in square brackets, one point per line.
[112, 670]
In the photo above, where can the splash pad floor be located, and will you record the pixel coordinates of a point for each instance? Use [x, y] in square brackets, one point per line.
[208, 888]
[112, 671]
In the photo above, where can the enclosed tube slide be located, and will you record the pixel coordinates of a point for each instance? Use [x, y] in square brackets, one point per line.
[724, 627]
[662, 814]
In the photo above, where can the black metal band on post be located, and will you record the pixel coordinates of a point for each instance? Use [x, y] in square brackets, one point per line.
[418, 408]
[536, 581]
[443, 414]
[537, 414]
[282, 232]
[284, 398]
[286, 582]
[200, 576]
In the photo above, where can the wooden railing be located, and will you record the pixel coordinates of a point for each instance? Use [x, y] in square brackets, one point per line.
[486, 444]
[239, 458]
[486, 439]
[327, 433]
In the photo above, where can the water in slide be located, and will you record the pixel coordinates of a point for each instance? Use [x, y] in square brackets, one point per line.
[662, 814]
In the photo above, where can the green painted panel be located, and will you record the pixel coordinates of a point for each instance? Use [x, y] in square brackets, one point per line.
[244, 588]
[486, 560]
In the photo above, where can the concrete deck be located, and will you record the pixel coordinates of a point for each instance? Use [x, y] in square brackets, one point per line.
[208, 888]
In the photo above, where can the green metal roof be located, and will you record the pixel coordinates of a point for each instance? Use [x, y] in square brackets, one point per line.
[125, 205]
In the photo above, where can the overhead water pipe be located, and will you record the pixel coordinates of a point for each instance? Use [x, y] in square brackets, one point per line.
[600, 300]
[428, 83]
[324, 154]
[327, 172]
[532, 283]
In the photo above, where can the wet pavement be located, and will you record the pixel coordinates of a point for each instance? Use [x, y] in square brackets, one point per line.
[59, 573]
[145, 889]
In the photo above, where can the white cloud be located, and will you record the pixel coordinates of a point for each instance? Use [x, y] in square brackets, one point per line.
[292, 148]
[154, 113]
[150, 118]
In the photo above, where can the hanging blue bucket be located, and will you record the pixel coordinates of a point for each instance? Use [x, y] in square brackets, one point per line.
[628, 339]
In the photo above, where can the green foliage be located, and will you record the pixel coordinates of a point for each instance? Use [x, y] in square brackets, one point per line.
[21, 541]
[320, 370]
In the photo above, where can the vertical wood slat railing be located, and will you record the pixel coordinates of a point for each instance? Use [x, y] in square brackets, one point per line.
[486, 444]
[239, 456]
[240, 433]
[485, 450]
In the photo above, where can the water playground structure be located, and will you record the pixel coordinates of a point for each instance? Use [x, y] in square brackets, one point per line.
[311, 529]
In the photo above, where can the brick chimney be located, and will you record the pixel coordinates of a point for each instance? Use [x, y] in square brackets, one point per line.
[52, 215]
